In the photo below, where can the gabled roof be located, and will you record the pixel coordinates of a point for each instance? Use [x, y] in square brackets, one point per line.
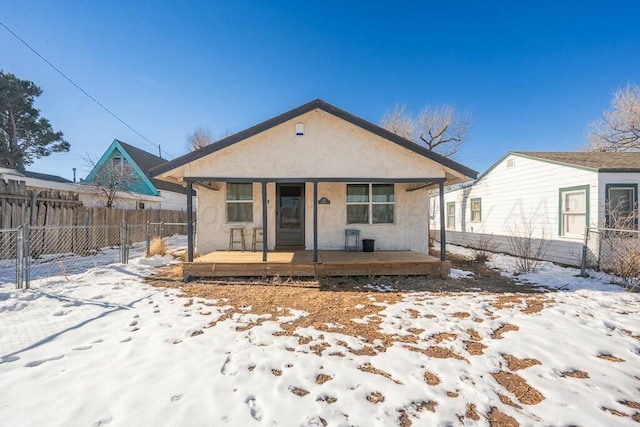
[303, 109]
[46, 177]
[141, 162]
[596, 161]
[147, 161]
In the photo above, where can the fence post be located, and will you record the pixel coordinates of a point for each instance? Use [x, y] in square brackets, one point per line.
[148, 239]
[126, 243]
[122, 244]
[161, 230]
[583, 261]
[19, 257]
[27, 257]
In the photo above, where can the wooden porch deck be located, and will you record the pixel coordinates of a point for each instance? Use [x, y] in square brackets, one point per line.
[300, 263]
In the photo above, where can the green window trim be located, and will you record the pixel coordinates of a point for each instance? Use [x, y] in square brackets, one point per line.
[634, 204]
[477, 200]
[561, 193]
[451, 215]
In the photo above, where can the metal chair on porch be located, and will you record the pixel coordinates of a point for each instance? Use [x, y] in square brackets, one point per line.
[348, 233]
[233, 239]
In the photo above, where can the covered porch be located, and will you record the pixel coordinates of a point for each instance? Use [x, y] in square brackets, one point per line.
[301, 263]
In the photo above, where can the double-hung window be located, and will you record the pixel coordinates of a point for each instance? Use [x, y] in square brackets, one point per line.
[476, 210]
[622, 205]
[451, 215]
[239, 202]
[574, 211]
[370, 203]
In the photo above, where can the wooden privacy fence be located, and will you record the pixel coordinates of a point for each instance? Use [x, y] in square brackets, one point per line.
[59, 223]
[20, 206]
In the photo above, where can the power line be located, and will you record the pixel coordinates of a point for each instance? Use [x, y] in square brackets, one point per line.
[82, 90]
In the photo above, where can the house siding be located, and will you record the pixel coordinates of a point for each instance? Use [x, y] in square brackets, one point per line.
[409, 232]
[511, 197]
[330, 147]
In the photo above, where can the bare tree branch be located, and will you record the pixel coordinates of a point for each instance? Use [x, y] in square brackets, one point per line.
[619, 128]
[440, 129]
[114, 176]
[199, 138]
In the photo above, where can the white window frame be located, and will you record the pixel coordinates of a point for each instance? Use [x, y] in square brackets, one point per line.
[238, 201]
[564, 214]
[477, 200]
[370, 203]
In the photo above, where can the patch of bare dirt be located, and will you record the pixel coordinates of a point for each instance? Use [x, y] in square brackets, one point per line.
[614, 412]
[437, 352]
[298, 391]
[461, 315]
[630, 404]
[498, 418]
[474, 348]
[323, 378]
[368, 367]
[445, 336]
[610, 358]
[507, 401]
[472, 413]
[375, 397]
[327, 399]
[575, 374]
[497, 334]
[517, 386]
[276, 372]
[453, 394]
[515, 364]
[431, 378]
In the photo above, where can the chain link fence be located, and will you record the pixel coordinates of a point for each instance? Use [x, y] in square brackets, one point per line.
[28, 254]
[613, 250]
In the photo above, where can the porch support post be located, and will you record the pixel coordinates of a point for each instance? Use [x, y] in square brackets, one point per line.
[189, 221]
[443, 233]
[264, 222]
[315, 221]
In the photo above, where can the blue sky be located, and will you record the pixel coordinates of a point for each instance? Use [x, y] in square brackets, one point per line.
[532, 75]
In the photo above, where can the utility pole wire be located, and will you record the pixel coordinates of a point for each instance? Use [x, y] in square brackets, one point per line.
[80, 89]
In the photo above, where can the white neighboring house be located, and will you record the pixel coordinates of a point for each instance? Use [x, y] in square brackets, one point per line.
[558, 193]
[89, 195]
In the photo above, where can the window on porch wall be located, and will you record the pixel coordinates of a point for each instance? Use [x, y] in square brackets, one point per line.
[370, 203]
[239, 202]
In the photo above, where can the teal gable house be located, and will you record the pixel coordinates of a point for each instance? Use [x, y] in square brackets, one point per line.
[126, 168]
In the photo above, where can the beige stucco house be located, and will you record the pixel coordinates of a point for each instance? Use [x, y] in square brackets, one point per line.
[306, 176]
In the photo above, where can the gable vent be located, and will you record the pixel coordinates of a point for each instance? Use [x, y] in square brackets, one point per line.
[511, 163]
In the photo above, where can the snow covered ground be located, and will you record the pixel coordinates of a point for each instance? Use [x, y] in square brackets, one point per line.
[102, 348]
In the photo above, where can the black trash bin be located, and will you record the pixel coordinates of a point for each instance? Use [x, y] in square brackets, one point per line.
[368, 245]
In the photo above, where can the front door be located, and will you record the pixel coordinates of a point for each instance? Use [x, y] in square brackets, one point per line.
[290, 215]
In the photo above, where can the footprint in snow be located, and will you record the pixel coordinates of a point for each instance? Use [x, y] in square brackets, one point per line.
[103, 422]
[254, 409]
[135, 329]
[98, 297]
[8, 359]
[84, 347]
[126, 339]
[176, 397]
[59, 313]
[40, 362]
[98, 341]
[134, 323]
[136, 316]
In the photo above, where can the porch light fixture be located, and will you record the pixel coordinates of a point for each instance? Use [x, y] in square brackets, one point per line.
[299, 129]
[324, 201]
